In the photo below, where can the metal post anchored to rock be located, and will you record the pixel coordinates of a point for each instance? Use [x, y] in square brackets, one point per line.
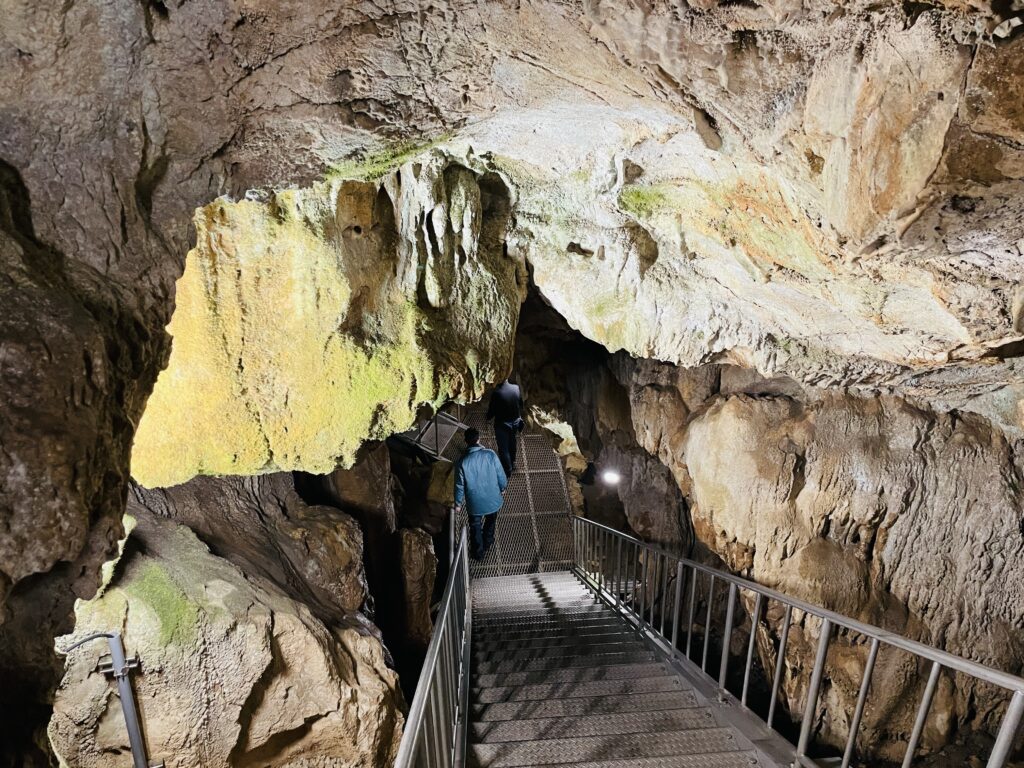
[120, 668]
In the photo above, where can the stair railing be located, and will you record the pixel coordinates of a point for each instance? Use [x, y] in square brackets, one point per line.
[435, 730]
[649, 587]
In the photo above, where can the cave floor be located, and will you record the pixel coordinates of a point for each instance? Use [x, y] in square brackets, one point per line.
[560, 679]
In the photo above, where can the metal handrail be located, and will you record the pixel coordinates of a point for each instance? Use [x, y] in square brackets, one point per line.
[599, 562]
[435, 730]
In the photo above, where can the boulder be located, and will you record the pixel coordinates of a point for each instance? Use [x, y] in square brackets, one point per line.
[234, 671]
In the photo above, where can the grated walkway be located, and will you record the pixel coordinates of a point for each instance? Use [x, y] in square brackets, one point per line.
[559, 679]
[533, 531]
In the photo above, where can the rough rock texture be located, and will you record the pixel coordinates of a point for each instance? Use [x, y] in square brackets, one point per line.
[871, 507]
[314, 554]
[320, 318]
[827, 190]
[418, 566]
[235, 672]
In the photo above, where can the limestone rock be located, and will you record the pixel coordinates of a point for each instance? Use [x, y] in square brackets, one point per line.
[323, 317]
[314, 554]
[233, 670]
[418, 567]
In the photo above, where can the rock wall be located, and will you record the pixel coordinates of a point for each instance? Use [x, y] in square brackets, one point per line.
[313, 553]
[234, 671]
[871, 507]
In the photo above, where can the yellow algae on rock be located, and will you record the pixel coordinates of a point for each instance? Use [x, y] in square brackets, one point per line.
[321, 318]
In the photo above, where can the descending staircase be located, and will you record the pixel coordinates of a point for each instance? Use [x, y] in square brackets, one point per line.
[570, 645]
[558, 679]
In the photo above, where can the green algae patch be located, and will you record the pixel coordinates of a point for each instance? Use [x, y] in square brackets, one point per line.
[755, 217]
[645, 201]
[177, 617]
[314, 321]
[376, 164]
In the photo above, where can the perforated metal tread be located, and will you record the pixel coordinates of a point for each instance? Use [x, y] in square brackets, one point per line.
[724, 760]
[602, 748]
[592, 725]
[584, 706]
[586, 661]
[500, 641]
[527, 648]
[568, 691]
[616, 645]
[574, 675]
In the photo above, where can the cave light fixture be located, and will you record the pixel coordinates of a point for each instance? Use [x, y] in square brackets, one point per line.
[610, 476]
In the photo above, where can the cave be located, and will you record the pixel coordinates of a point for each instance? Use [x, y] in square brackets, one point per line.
[756, 267]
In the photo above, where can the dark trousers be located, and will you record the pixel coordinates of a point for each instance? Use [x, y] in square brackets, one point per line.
[505, 436]
[481, 533]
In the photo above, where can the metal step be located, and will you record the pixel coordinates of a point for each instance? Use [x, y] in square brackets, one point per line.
[584, 706]
[581, 610]
[574, 675]
[500, 642]
[722, 760]
[661, 682]
[601, 627]
[592, 725]
[594, 660]
[566, 623]
[602, 748]
[614, 644]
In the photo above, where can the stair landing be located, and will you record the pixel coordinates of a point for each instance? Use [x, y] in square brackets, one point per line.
[559, 679]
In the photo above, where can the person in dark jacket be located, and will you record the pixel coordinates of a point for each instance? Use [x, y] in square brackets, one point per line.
[479, 483]
[506, 408]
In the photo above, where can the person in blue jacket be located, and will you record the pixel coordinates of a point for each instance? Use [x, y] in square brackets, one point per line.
[479, 483]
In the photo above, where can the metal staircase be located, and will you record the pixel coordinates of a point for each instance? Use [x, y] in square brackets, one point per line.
[559, 679]
[622, 655]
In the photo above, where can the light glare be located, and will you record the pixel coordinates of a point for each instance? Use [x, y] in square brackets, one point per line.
[611, 477]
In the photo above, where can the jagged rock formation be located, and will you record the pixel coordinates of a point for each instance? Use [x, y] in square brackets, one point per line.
[234, 670]
[314, 554]
[313, 321]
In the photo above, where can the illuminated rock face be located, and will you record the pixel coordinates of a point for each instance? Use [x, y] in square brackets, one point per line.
[234, 669]
[320, 318]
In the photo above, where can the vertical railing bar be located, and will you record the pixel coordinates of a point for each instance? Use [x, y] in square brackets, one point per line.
[1007, 732]
[754, 621]
[922, 714]
[707, 626]
[643, 586]
[678, 604]
[664, 591]
[862, 697]
[618, 569]
[814, 689]
[435, 728]
[444, 694]
[780, 662]
[730, 615]
[653, 596]
[693, 603]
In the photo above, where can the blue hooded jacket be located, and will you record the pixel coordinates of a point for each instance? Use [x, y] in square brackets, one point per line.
[479, 481]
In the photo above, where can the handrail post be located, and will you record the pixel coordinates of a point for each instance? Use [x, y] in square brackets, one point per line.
[780, 663]
[678, 604]
[813, 690]
[754, 621]
[858, 711]
[707, 626]
[922, 714]
[730, 612]
[618, 568]
[1007, 731]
